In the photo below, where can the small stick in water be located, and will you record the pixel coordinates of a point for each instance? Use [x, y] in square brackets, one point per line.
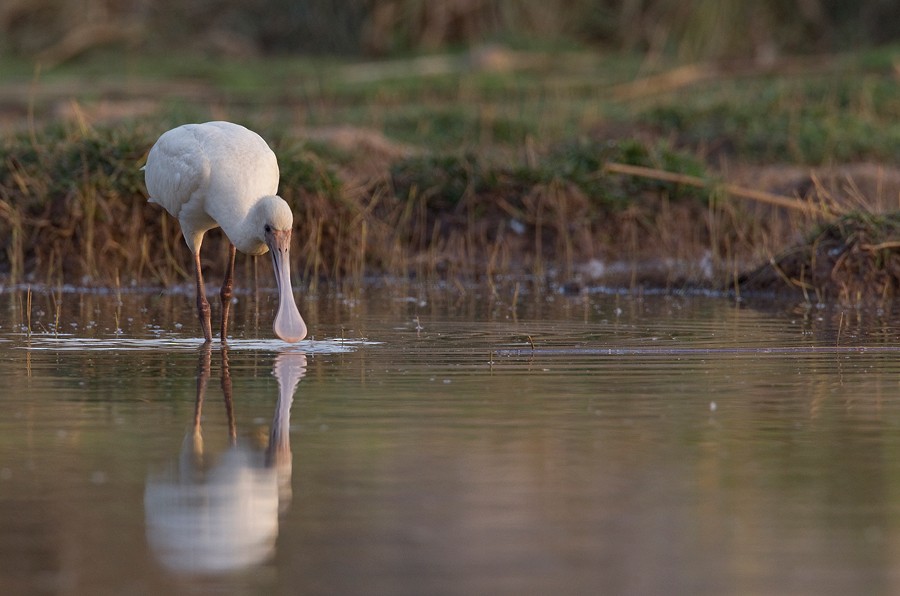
[28, 312]
[840, 328]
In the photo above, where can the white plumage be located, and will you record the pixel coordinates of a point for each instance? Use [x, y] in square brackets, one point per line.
[222, 174]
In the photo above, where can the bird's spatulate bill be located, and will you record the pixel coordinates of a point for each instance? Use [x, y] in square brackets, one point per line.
[289, 325]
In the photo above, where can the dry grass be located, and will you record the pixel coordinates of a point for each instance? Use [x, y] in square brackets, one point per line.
[854, 260]
[73, 211]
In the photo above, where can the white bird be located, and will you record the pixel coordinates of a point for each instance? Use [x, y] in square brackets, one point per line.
[222, 174]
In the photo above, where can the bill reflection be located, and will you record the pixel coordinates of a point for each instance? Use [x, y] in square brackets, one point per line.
[215, 513]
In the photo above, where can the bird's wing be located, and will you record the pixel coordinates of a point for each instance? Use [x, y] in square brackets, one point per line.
[177, 169]
[243, 163]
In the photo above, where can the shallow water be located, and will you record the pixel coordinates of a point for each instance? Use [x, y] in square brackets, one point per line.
[443, 442]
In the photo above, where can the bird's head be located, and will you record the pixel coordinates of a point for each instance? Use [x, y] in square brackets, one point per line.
[271, 215]
[273, 219]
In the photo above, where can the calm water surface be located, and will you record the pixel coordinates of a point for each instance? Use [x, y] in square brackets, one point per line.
[418, 444]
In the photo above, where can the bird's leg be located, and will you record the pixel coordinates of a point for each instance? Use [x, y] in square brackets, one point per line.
[202, 302]
[255, 295]
[227, 290]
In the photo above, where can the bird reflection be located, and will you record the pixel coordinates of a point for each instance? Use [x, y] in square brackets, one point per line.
[208, 515]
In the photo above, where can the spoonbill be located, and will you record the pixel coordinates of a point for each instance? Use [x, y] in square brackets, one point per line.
[220, 174]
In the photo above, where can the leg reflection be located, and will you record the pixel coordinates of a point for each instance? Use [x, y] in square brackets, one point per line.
[203, 372]
[211, 514]
[229, 396]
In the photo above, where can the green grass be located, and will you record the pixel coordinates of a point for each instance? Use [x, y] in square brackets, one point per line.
[839, 109]
[814, 120]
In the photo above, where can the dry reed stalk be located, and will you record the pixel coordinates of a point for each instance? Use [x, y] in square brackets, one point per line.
[433, 249]
[51, 264]
[401, 233]
[308, 248]
[28, 313]
[538, 263]
[57, 304]
[663, 224]
[158, 273]
[360, 271]
[143, 258]
[492, 287]
[491, 267]
[16, 251]
[317, 257]
[88, 200]
[630, 230]
[890, 244]
[672, 80]
[561, 203]
[732, 189]
[714, 209]
[500, 252]
[515, 302]
[464, 255]
[167, 243]
[420, 222]
[338, 254]
[469, 200]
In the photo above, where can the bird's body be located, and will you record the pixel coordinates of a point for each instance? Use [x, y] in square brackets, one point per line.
[220, 174]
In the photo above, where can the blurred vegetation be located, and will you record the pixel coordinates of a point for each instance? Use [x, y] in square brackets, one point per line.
[816, 117]
[692, 29]
[446, 179]
[463, 171]
[451, 139]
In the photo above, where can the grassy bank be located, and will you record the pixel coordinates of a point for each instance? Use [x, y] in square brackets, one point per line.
[73, 210]
[454, 167]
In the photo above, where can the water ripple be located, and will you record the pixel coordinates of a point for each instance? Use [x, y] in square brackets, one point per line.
[80, 344]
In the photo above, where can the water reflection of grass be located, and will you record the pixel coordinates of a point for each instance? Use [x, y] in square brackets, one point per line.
[462, 173]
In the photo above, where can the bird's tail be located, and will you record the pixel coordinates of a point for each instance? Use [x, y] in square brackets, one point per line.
[149, 199]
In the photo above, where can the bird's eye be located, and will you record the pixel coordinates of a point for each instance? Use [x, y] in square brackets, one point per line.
[268, 228]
